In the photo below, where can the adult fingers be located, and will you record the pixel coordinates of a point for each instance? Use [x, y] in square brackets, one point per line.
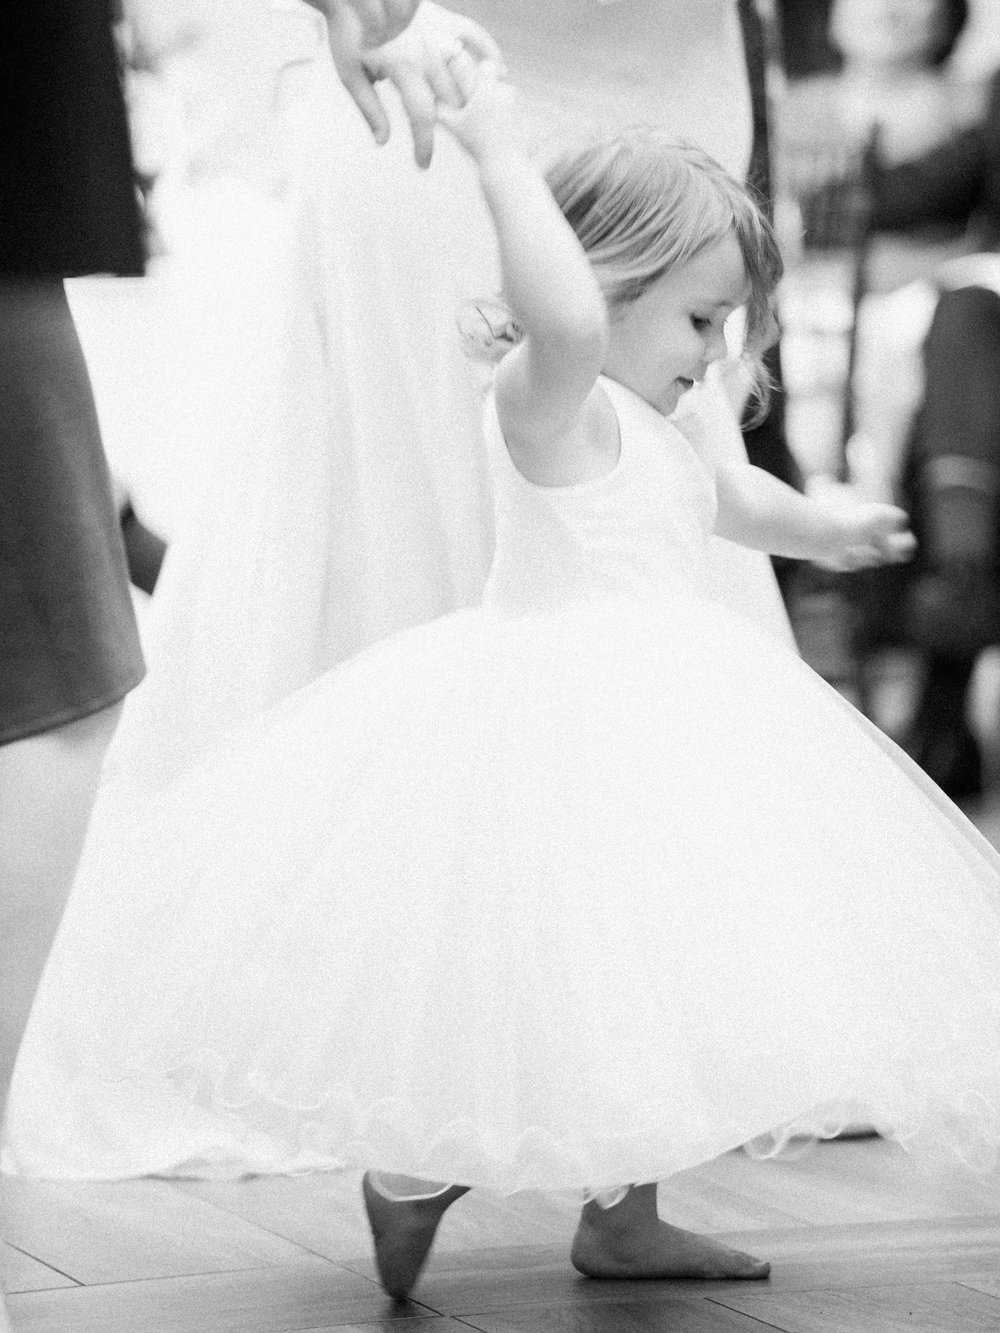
[345, 40]
[420, 107]
[368, 102]
[398, 14]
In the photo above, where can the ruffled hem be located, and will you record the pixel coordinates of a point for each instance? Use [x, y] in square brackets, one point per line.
[940, 1117]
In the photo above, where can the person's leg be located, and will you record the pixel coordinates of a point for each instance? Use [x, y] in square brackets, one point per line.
[629, 1240]
[47, 788]
[403, 1214]
[940, 738]
[955, 469]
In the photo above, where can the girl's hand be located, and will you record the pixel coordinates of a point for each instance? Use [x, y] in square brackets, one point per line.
[486, 119]
[865, 535]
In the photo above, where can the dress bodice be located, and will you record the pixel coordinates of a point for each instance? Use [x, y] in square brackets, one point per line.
[642, 530]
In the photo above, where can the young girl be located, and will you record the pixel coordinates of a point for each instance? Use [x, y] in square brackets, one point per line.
[595, 882]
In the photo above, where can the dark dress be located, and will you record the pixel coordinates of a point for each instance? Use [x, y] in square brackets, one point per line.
[68, 639]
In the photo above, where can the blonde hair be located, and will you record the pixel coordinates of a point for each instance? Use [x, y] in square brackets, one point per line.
[642, 204]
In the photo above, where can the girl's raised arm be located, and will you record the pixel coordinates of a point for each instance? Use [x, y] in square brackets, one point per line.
[548, 283]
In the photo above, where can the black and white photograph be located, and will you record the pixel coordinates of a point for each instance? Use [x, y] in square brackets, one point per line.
[500, 666]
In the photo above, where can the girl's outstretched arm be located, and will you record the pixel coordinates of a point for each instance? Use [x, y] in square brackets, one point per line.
[548, 283]
[759, 511]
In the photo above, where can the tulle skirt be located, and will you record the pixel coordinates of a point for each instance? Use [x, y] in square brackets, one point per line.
[558, 900]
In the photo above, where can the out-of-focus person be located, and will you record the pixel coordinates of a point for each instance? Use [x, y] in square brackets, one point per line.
[893, 91]
[894, 69]
[953, 465]
[69, 648]
[925, 386]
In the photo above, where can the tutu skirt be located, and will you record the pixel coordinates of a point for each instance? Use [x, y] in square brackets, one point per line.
[566, 899]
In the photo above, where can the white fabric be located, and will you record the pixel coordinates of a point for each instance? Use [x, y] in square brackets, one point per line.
[580, 888]
[328, 486]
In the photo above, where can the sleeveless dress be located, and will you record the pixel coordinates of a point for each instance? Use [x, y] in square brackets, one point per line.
[582, 886]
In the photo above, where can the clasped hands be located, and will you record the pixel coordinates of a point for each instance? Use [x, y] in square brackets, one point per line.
[410, 43]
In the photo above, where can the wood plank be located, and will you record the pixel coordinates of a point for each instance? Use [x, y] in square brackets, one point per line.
[20, 1272]
[839, 1181]
[875, 1180]
[472, 1293]
[932, 1307]
[962, 1235]
[310, 1295]
[988, 1284]
[804, 1259]
[732, 1193]
[397, 1324]
[323, 1213]
[880, 1254]
[132, 1229]
[674, 1314]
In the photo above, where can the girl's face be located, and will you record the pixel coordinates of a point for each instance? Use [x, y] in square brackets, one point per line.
[665, 341]
[888, 32]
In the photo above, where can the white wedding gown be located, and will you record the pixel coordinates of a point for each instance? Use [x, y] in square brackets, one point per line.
[333, 489]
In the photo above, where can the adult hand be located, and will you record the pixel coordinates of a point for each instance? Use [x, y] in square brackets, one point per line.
[378, 21]
[382, 20]
[416, 63]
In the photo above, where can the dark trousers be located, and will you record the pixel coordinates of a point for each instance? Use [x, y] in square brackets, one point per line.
[954, 607]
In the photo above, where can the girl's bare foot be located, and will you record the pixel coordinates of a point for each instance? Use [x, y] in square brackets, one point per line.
[403, 1232]
[630, 1241]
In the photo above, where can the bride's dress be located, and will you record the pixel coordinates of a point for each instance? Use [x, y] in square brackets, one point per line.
[327, 484]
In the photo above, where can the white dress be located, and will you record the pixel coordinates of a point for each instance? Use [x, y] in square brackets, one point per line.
[580, 887]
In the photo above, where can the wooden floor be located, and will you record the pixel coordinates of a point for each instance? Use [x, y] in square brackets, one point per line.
[859, 1242]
